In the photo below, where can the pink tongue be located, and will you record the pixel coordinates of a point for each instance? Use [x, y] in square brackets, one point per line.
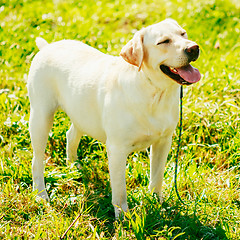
[189, 73]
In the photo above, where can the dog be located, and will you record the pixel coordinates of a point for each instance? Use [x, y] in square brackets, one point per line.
[129, 102]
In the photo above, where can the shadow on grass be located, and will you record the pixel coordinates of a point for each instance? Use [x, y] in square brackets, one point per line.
[154, 218]
[187, 222]
[147, 218]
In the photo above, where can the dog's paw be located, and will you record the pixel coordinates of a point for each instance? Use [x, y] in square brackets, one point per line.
[120, 212]
[42, 196]
[159, 195]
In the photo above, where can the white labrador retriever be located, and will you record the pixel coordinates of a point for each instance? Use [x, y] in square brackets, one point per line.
[128, 102]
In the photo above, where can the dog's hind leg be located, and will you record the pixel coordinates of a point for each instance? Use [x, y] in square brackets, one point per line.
[73, 136]
[40, 123]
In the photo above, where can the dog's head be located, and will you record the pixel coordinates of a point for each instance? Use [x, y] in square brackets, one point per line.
[163, 51]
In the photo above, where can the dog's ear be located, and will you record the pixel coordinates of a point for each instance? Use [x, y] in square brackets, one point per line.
[133, 52]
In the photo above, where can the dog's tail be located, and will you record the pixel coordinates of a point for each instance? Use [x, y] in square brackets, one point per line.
[41, 43]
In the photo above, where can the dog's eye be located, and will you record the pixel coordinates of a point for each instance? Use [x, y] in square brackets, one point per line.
[184, 34]
[165, 41]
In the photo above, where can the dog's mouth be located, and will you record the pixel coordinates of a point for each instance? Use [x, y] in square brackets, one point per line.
[184, 75]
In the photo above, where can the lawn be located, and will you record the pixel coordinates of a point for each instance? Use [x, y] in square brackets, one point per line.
[80, 207]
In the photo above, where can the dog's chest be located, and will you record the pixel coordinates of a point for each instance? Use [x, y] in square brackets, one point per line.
[153, 128]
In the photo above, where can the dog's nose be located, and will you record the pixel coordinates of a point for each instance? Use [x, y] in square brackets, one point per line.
[192, 52]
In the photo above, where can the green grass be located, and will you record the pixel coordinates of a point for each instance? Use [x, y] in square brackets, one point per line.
[209, 179]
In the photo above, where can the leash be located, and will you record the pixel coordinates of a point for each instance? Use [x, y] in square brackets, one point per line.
[178, 147]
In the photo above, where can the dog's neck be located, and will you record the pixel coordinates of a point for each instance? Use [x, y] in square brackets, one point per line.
[160, 83]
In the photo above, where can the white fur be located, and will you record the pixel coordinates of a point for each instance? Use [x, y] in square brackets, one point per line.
[128, 106]
[41, 43]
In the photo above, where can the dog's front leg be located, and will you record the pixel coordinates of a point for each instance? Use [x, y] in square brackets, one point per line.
[117, 168]
[158, 158]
